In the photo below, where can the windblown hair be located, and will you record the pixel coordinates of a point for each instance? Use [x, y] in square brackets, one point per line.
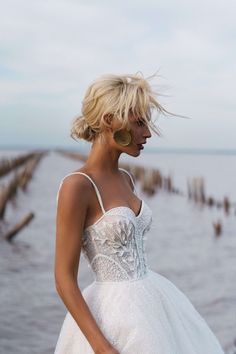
[116, 95]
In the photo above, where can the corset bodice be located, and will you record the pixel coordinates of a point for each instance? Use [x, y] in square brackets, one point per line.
[115, 245]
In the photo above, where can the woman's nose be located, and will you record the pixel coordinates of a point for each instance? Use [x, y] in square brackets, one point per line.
[147, 133]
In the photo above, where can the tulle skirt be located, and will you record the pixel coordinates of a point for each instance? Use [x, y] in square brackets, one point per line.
[145, 316]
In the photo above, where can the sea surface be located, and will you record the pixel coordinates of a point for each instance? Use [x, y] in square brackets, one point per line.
[181, 246]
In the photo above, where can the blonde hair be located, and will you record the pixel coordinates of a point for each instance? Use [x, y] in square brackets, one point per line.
[116, 95]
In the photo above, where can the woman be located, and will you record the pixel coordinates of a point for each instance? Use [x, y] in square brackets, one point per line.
[128, 308]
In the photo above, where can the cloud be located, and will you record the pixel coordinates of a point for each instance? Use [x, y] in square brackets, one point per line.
[51, 50]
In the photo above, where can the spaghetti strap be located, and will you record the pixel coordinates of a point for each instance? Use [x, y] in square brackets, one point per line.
[95, 187]
[130, 178]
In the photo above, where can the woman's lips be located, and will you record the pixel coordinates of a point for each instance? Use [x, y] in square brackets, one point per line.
[140, 146]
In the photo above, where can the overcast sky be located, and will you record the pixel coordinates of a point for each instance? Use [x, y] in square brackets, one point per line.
[52, 50]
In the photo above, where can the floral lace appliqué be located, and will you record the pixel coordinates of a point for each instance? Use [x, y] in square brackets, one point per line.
[115, 247]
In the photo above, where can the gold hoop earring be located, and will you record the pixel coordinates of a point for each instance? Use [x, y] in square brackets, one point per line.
[122, 137]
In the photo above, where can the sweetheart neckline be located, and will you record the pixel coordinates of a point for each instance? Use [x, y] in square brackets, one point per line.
[118, 207]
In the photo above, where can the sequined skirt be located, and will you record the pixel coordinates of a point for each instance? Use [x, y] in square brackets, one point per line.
[147, 316]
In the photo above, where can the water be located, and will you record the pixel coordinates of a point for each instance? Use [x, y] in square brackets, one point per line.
[181, 246]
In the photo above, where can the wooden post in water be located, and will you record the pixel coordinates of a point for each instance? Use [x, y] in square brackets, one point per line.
[226, 205]
[19, 226]
[147, 182]
[7, 192]
[217, 228]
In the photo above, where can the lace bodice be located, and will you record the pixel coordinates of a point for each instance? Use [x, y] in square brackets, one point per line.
[114, 245]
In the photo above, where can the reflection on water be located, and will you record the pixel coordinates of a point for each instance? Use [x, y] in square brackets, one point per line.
[181, 246]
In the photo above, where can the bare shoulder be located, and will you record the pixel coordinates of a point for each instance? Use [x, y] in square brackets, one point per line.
[75, 189]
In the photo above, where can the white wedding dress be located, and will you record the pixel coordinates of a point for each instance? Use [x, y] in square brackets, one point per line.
[138, 310]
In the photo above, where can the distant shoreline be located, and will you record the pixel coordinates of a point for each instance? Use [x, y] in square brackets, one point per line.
[147, 150]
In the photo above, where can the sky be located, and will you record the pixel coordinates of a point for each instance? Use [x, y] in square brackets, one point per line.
[50, 51]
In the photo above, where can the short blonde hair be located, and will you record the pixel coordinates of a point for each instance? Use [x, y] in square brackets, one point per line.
[116, 95]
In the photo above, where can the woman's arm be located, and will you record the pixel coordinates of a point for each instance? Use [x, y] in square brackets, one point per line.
[72, 207]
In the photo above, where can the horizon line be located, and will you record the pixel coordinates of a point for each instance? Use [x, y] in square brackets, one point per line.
[147, 149]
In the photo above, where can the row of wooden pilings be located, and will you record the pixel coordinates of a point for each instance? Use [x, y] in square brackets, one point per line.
[196, 192]
[152, 179]
[23, 168]
[7, 165]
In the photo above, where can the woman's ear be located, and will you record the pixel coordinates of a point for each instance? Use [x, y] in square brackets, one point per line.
[108, 121]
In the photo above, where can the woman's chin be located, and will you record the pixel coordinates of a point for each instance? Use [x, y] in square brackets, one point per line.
[133, 152]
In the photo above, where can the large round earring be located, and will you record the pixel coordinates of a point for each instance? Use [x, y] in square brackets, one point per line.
[122, 137]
